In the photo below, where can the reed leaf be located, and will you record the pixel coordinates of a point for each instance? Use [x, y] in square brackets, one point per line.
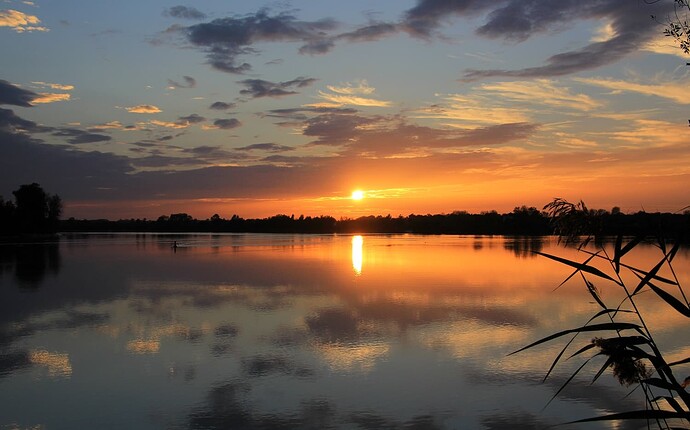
[650, 414]
[672, 301]
[659, 383]
[565, 384]
[595, 327]
[607, 363]
[683, 361]
[656, 277]
[583, 349]
[617, 253]
[580, 266]
[593, 292]
[671, 401]
[648, 276]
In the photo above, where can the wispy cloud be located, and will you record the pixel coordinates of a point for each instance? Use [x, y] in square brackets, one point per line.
[53, 86]
[257, 88]
[189, 82]
[675, 90]
[541, 91]
[44, 98]
[184, 12]
[19, 21]
[351, 94]
[143, 109]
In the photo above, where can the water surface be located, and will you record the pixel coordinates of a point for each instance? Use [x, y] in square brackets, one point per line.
[297, 331]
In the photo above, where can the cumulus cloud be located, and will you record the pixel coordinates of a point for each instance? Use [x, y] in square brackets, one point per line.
[267, 147]
[19, 21]
[222, 106]
[53, 86]
[189, 82]
[44, 98]
[181, 122]
[629, 29]
[226, 39]
[184, 12]
[77, 136]
[143, 109]
[227, 123]
[13, 95]
[256, 88]
[11, 123]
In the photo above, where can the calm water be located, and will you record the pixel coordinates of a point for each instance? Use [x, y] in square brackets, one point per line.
[267, 331]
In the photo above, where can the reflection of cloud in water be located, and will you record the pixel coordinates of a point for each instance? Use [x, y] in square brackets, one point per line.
[57, 364]
[143, 346]
[348, 358]
[468, 338]
[148, 339]
[264, 365]
[226, 407]
[333, 325]
[515, 420]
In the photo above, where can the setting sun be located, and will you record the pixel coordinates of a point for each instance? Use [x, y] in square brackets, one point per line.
[357, 195]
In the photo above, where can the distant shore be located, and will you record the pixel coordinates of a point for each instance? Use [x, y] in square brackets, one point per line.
[521, 221]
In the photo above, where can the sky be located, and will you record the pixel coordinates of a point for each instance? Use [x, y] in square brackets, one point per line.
[135, 109]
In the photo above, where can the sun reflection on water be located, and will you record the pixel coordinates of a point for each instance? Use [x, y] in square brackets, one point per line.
[357, 242]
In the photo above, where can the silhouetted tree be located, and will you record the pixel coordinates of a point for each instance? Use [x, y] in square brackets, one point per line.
[35, 210]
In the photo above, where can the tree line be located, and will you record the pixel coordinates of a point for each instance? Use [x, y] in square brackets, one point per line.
[34, 211]
[523, 220]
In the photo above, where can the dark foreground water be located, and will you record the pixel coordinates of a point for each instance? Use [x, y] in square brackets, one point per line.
[281, 331]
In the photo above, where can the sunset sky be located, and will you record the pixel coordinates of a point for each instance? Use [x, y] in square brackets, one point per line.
[136, 109]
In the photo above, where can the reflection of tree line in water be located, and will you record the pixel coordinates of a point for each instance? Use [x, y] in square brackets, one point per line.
[30, 262]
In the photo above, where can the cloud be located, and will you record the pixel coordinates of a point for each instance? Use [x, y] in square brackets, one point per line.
[112, 125]
[44, 98]
[472, 110]
[192, 119]
[189, 82]
[226, 39]
[143, 109]
[11, 123]
[268, 147]
[353, 94]
[19, 21]
[54, 86]
[335, 100]
[257, 88]
[222, 106]
[184, 12]
[350, 88]
[181, 122]
[77, 136]
[372, 32]
[516, 20]
[227, 123]
[541, 91]
[13, 95]
[674, 90]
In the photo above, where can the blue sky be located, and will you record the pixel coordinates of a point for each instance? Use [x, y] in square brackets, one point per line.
[138, 109]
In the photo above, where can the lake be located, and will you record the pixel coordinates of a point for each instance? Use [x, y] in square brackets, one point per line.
[121, 331]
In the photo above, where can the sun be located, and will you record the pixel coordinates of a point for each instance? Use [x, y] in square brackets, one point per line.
[357, 195]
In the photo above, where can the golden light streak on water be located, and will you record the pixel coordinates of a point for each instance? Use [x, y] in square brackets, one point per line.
[357, 257]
